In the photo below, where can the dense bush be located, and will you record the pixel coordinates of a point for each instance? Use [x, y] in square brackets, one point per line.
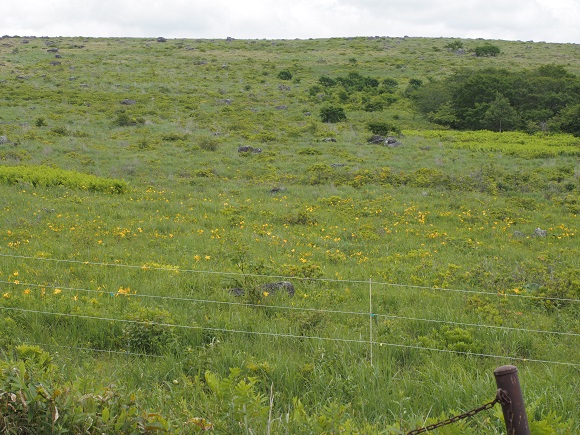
[570, 120]
[487, 50]
[285, 75]
[47, 177]
[498, 99]
[332, 114]
[383, 128]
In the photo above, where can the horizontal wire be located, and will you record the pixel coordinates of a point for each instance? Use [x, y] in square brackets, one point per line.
[302, 337]
[175, 298]
[507, 328]
[92, 349]
[250, 275]
[281, 307]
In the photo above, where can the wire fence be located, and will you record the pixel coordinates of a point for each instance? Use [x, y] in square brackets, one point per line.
[364, 288]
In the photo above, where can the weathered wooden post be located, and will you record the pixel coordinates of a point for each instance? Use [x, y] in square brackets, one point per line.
[512, 401]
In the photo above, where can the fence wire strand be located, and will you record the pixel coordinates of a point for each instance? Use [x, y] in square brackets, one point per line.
[293, 336]
[250, 275]
[293, 308]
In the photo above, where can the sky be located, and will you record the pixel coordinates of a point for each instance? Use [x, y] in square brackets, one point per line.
[514, 20]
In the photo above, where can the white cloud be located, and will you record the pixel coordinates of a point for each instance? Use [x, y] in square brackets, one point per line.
[549, 20]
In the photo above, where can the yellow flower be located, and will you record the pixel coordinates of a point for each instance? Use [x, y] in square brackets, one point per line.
[124, 291]
[26, 291]
[6, 295]
[15, 273]
[266, 294]
[197, 257]
[207, 257]
[57, 291]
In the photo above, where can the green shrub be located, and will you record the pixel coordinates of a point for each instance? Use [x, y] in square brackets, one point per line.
[48, 177]
[454, 45]
[33, 401]
[124, 120]
[309, 152]
[383, 128]
[487, 50]
[208, 143]
[149, 331]
[332, 114]
[60, 131]
[285, 75]
[570, 120]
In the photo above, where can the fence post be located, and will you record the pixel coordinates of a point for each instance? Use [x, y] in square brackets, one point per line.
[371, 318]
[514, 412]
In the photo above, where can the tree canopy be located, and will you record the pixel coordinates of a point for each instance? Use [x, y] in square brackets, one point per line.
[498, 99]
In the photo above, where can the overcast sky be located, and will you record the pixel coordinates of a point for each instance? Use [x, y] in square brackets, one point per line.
[525, 20]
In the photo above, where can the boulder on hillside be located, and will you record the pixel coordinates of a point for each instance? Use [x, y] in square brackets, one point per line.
[392, 142]
[273, 287]
[249, 149]
[538, 232]
[376, 139]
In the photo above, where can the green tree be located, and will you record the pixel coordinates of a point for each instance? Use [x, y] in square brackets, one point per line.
[500, 115]
[332, 114]
[454, 45]
[570, 120]
[487, 50]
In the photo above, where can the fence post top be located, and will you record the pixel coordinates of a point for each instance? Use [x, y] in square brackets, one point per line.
[505, 370]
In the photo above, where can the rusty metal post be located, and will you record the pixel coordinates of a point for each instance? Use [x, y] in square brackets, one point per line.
[512, 401]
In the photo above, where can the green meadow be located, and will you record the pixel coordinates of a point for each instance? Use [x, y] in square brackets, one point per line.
[152, 192]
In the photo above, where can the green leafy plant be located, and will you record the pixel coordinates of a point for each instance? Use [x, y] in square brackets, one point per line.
[487, 50]
[332, 114]
[285, 75]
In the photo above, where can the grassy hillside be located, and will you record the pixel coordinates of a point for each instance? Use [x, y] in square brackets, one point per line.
[144, 184]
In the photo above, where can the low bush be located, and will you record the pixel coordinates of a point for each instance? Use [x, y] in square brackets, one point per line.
[48, 177]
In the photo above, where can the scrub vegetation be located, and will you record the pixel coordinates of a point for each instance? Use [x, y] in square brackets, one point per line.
[421, 197]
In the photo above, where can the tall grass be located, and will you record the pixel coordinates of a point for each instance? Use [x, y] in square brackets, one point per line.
[129, 296]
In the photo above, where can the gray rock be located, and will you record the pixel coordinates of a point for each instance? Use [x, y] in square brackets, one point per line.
[376, 139]
[538, 232]
[236, 291]
[273, 287]
[249, 149]
[392, 142]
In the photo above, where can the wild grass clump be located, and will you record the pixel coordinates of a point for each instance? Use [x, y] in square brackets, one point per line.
[42, 176]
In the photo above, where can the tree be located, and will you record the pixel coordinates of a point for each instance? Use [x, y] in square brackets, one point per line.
[570, 120]
[500, 115]
[454, 45]
[332, 114]
[487, 50]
